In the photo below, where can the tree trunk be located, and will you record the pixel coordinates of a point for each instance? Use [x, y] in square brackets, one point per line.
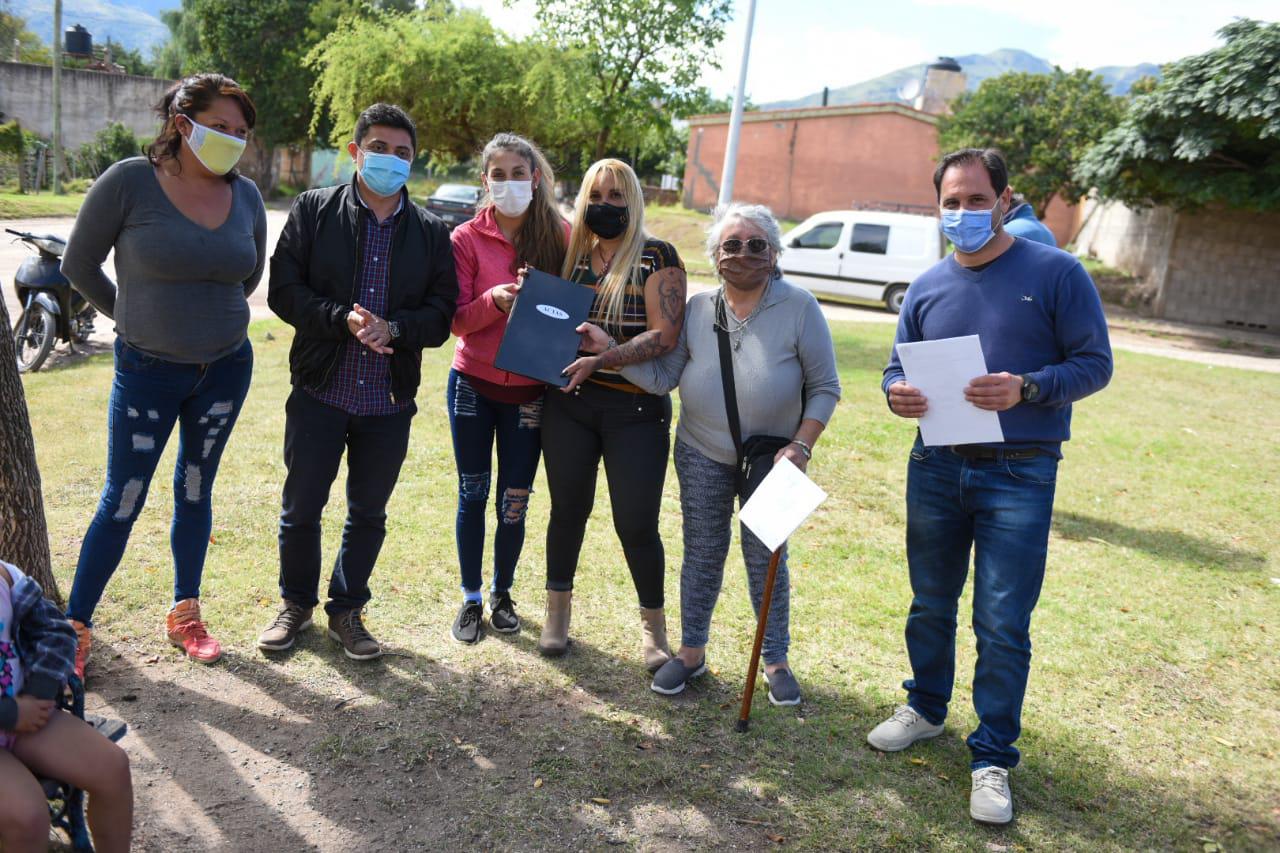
[24, 536]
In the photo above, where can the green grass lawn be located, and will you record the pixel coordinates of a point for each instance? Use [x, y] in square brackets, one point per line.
[26, 205]
[1152, 718]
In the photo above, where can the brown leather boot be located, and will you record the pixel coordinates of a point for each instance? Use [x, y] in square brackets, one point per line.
[555, 628]
[653, 625]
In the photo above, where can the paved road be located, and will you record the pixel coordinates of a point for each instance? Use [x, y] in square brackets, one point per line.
[1122, 335]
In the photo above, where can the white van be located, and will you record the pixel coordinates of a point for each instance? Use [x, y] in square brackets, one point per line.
[861, 255]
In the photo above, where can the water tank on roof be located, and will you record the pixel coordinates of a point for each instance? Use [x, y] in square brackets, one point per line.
[943, 81]
[78, 41]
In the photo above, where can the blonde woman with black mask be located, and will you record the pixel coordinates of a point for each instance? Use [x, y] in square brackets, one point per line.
[640, 293]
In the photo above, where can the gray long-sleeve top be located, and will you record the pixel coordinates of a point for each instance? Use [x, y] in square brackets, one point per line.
[784, 372]
[182, 294]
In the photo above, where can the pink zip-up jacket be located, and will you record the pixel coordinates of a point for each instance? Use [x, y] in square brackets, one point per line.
[483, 258]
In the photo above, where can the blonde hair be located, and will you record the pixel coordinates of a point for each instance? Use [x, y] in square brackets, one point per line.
[540, 242]
[625, 266]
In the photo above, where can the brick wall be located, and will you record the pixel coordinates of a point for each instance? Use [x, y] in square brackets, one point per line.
[801, 162]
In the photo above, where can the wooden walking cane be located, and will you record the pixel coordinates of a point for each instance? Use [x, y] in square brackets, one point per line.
[744, 715]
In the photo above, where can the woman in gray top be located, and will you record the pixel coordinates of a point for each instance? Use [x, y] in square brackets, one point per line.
[190, 243]
[784, 369]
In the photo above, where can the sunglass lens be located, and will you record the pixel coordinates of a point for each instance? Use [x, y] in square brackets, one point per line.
[731, 247]
[757, 246]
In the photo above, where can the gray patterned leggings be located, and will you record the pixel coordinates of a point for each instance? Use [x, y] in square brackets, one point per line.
[707, 495]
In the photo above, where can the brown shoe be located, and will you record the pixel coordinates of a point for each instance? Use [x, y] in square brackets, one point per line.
[555, 628]
[84, 642]
[348, 629]
[292, 620]
[653, 624]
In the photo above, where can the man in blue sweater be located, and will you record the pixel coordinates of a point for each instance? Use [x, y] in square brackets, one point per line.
[1044, 336]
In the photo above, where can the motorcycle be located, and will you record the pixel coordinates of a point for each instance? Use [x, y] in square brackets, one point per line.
[51, 308]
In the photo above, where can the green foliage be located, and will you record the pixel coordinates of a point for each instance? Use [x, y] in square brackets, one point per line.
[17, 42]
[12, 140]
[113, 143]
[1207, 133]
[458, 77]
[1042, 124]
[180, 55]
[642, 61]
[130, 58]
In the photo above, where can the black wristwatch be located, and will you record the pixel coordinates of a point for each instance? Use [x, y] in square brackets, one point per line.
[394, 328]
[1030, 391]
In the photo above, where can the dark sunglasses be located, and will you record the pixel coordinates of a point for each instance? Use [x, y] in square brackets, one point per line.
[756, 246]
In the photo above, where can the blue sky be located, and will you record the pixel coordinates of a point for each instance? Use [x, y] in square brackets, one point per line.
[801, 45]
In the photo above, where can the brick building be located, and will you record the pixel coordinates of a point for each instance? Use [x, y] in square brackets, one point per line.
[803, 161]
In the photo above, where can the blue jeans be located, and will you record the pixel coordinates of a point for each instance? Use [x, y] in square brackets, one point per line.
[476, 421]
[1001, 509]
[315, 437]
[148, 396]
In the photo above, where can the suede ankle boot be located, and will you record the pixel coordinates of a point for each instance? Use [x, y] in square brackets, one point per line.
[654, 631]
[555, 628]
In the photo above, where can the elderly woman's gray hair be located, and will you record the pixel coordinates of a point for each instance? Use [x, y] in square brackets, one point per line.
[757, 214]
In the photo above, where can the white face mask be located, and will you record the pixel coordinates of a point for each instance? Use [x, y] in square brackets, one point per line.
[512, 198]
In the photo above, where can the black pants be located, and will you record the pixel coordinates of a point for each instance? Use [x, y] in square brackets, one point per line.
[315, 435]
[632, 434]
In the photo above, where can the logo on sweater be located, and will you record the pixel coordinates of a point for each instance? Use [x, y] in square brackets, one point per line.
[1028, 299]
[553, 312]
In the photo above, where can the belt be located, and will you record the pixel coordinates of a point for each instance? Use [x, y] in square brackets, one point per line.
[977, 451]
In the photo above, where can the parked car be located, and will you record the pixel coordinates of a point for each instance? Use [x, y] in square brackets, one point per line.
[454, 203]
[861, 255]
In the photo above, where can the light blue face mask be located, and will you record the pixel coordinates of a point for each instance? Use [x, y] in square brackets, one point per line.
[968, 230]
[385, 174]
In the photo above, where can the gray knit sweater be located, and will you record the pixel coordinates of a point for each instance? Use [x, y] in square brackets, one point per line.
[784, 372]
[182, 287]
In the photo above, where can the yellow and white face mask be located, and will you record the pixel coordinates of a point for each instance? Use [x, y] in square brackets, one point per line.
[219, 152]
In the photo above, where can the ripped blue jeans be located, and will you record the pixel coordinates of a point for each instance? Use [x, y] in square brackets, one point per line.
[476, 421]
[148, 397]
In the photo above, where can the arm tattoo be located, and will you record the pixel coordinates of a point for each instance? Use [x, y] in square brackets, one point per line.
[642, 347]
[671, 291]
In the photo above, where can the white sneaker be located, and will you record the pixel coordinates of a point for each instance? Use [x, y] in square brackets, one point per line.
[991, 801]
[904, 728]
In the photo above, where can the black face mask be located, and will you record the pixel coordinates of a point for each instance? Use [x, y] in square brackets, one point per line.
[606, 221]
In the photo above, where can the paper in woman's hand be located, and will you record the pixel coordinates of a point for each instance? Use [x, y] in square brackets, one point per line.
[780, 504]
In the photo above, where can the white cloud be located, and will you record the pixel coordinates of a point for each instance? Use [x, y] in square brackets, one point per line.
[1092, 33]
[791, 62]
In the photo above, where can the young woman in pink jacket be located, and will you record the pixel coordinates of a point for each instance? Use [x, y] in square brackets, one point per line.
[517, 225]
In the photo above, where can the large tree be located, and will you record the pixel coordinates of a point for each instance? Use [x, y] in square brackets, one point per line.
[17, 42]
[643, 60]
[24, 535]
[1207, 133]
[460, 78]
[1042, 124]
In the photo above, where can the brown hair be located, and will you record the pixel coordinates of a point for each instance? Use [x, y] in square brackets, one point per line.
[540, 242]
[187, 97]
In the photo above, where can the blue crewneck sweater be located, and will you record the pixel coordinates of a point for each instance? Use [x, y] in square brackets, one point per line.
[1037, 314]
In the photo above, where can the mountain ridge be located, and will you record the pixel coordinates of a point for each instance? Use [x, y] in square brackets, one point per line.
[976, 66]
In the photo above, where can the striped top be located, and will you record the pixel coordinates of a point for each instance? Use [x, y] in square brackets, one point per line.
[635, 320]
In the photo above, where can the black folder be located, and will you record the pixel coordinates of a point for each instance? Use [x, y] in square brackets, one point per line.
[540, 340]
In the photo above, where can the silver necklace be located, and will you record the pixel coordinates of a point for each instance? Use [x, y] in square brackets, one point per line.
[733, 325]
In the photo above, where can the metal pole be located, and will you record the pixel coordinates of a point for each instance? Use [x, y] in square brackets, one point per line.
[735, 120]
[57, 97]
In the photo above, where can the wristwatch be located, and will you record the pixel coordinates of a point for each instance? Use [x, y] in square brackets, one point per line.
[394, 328]
[1030, 390]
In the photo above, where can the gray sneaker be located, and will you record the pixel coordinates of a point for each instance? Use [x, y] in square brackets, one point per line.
[991, 801]
[904, 728]
[673, 675]
[783, 687]
[348, 629]
[292, 620]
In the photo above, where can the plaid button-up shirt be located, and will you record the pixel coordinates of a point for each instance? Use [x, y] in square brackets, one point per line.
[361, 382]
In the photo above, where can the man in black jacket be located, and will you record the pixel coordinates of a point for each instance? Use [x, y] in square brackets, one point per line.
[366, 278]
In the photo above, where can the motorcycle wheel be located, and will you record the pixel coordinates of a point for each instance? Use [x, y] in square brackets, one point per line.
[33, 337]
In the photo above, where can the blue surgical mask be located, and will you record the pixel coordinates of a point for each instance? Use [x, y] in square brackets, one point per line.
[385, 174]
[968, 230]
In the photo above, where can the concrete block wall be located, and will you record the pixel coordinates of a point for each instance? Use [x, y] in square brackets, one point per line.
[90, 101]
[1224, 269]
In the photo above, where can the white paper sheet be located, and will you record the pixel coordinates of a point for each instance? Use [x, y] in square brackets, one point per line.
[780, 504]
[942, 369]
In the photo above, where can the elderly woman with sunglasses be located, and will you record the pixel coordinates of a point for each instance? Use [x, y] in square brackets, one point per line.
[786, 384]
